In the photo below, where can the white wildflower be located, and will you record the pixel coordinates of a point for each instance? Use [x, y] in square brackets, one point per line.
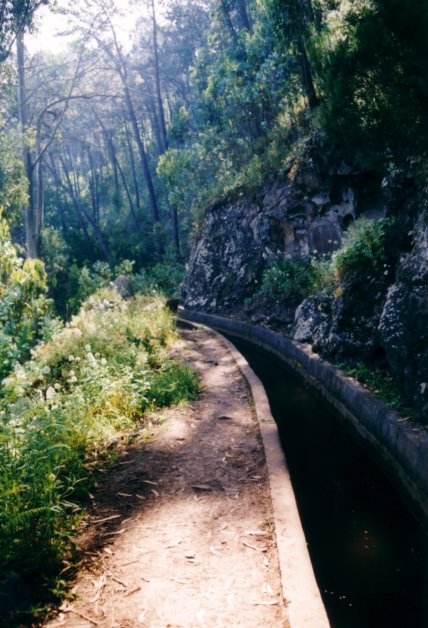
[71, 358]
[50, 393]
[103, 361]
[46, 370]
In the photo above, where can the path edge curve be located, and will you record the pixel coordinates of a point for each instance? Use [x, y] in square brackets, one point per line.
[305, 607]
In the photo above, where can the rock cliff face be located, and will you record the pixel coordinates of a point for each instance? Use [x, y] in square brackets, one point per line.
[306, 212]
[382, 322]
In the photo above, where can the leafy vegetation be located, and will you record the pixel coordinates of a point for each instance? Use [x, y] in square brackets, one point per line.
[23, 302]
[364, 253]
[295, 279]
[93, 380]
[380, 383]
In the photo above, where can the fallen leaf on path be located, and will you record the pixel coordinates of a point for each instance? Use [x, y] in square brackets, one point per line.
[259, 549]
[266, 588]
[257, 532]
[121, 531]
[202, 487]
[85, 617]
[107, 550]
[132, 591]
[131, 562]
[214, 551]
[125, 494]
[224, 417]
[142, 616]
[173, 544]
[106, 519]
[150, 482]
[265, 603]
[155, 492]
[121, 582]
[139, 496]
[179, 580]
[98, 585]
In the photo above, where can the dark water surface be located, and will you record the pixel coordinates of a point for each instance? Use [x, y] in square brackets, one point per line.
[369, 554]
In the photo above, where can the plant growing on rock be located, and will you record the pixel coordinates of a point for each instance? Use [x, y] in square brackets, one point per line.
[295, 279]
[364, 254]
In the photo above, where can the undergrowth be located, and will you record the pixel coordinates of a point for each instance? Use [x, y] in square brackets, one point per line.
[380, 383]
[91, 382]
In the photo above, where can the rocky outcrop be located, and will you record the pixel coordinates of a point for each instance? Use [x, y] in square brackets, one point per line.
[381, 320]
[403, 326]
[123, 286]
[305, 212]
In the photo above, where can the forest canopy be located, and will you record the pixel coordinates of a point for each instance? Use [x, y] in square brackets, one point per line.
[111, 148]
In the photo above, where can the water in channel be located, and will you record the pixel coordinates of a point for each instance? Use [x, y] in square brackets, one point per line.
[369, 554]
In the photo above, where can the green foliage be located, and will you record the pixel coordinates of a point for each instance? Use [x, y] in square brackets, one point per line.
[84, 281]
[24, 305]
[241, 120]
[364, 253]
[378, 382]
[372, 64]
[94, 379]
[295, 279]
[163, 279]
[12, 179]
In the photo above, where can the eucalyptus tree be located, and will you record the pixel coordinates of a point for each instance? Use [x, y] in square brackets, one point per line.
[104, 33]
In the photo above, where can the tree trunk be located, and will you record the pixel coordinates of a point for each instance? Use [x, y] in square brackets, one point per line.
[224, 8]
[146, 169]
[161, 111]
[307, 74]
[31, 235]
[113, 159]
[132, 164]
[243, 14]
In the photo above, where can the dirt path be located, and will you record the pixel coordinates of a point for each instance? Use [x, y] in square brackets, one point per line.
[180, 535]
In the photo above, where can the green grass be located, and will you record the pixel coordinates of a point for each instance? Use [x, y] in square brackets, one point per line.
[91, 383]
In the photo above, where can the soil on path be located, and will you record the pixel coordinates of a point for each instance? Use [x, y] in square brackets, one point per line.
[181, 533]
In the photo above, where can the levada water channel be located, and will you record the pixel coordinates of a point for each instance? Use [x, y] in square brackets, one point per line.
[370, 555]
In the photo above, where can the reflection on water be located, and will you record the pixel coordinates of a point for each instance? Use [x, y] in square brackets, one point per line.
[369, 554]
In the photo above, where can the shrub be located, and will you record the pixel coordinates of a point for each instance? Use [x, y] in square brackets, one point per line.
[94, 379]
[24, 306]
[363, 254]
[86, 280]
[295, 279]
[161, 279]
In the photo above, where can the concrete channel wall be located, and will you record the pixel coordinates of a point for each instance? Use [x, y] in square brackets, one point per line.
[398, 446]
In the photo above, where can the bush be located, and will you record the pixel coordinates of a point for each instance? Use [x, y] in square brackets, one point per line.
[363, 254]
[86, 280]
[295, 279]
[161, 279]
[24, 306]
[94, 379]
